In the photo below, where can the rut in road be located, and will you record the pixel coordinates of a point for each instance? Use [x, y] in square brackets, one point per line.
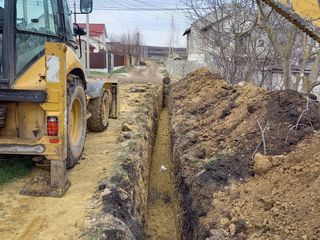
[162, 220]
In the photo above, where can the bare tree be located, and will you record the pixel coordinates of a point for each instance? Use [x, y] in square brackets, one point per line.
[246, 40]
[233, 42]
[283, 40]
[128, 44]
[293, 48]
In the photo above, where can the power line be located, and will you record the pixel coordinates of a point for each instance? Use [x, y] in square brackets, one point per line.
[141, 9]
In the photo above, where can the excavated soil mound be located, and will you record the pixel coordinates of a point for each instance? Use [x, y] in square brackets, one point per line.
[283, 204]
[217, 128]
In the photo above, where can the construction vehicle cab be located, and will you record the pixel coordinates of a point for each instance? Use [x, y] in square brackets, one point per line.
[46, 102]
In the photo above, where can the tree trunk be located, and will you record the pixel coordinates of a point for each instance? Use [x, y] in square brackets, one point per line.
[287, 75]
[314, 75]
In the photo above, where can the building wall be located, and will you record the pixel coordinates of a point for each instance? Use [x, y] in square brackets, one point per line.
[96, 43]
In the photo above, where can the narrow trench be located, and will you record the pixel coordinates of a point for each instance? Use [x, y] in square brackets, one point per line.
[162, 216]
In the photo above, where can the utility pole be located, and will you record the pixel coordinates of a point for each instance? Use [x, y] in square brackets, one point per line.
[75, 10]
[88, 44]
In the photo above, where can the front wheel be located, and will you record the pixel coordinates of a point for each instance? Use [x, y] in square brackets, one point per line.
[100, 111]
[77, 122]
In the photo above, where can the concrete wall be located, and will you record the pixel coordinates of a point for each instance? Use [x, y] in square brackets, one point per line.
[180, 68]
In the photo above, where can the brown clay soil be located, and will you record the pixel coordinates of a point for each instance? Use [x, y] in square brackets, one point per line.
[162, 220]
[282, 203]
[215, 133]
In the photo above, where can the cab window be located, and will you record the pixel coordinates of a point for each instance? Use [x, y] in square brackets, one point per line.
[68, 20]
[40, 16]
[37, 22]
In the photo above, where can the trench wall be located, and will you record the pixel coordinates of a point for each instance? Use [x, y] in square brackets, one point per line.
[125, 197]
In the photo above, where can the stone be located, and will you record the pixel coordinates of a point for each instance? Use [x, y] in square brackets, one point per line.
[216, 234]
[224, 222]
[232, 229]
[251, 108]
[123, 196]
[241, 84]
[126, 127]
[139, 89]
[166, 80]
[102, 186]
[106, 193]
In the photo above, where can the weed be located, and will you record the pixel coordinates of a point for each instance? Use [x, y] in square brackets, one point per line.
[132, 145]
[121, 71]
[96, 235]
[14, 168]
[139, 135]
[209, 162]
[98, 74]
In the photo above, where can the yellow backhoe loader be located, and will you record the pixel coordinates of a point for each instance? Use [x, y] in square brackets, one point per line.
[46, 102]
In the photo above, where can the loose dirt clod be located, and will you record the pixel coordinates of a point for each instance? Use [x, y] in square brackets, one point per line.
[262, 164]
[216, 130]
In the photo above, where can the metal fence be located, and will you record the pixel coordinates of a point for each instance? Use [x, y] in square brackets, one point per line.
[98, 60]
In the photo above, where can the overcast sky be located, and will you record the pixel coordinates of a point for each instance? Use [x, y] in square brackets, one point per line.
[155, 26]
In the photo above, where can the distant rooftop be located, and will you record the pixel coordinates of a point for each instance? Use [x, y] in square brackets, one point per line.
[96, 29]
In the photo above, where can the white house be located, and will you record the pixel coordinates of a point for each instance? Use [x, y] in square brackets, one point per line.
[98, 36]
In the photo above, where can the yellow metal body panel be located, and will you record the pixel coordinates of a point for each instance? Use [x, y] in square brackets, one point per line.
[308, 9]
[34, 77]
[26, 122]
[57, 99]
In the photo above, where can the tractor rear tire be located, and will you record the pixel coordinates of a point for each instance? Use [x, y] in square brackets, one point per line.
[76, 120]
[100, 111]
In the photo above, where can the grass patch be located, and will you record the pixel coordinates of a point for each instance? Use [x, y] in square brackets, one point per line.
[121, 70]
[96, 235]
[14, 168]
[98, 74]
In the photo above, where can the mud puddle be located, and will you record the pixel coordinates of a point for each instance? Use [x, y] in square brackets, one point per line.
[162, 217]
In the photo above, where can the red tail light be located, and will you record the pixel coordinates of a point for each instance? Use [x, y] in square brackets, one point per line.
[53, 126]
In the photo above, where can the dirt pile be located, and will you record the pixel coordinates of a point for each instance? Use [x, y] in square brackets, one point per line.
[281, 203]
[217, 128]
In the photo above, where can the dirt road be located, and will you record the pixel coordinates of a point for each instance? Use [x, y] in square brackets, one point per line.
[147, 74]
[25, 218]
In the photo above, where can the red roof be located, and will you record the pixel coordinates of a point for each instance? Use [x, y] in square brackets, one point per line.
[96, 29]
